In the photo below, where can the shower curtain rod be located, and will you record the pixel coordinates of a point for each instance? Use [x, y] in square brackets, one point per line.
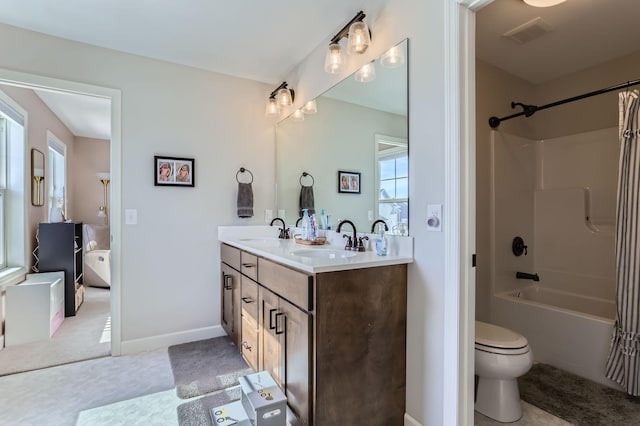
[529, 110]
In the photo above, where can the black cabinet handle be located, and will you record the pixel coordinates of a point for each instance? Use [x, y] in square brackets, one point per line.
[284, 323]
[248, 265]
[271, 326]
[246, 346]
[228, 281]
[247, 300]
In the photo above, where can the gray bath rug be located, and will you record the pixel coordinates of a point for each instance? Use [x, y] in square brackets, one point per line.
[206, 366]
[577, 400]
[196, 412]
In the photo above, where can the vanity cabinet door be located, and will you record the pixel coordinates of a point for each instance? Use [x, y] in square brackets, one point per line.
[231, 320]
[295, 325]
[250, 327]
[271, 354]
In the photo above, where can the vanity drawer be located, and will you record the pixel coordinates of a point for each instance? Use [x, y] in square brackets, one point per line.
[250, 342]
[249, 298]
[295, 286]
[249, 265]
[230, 256]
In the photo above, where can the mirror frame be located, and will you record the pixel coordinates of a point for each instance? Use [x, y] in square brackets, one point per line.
[37, 177]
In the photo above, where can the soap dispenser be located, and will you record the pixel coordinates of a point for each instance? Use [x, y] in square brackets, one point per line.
[381, 241]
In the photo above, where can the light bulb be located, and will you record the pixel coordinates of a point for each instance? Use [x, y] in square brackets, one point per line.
[393, 58]
[298, 115]
[359, 38]
[310, 107]
[334, 59]
[366, 73]
[284, 97]
[272, 109]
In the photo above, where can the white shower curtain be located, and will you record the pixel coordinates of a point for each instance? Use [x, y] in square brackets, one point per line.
[623, 364]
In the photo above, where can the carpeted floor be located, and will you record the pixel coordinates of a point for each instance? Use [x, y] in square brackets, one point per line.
[206, 366]
[84, 336]
[577, 400]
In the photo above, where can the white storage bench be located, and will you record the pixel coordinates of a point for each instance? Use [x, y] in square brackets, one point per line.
[34, 308]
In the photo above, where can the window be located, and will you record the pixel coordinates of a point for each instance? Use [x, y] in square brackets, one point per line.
[56, 174]
[13, 193]
[392, 168]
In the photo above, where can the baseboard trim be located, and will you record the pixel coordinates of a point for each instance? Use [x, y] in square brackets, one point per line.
[130, 347]
[410, 421]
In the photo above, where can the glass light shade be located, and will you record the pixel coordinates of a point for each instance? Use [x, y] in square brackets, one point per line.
[284, 97]
[359, 38]
[334, 59]
[366, 73]
[298, 115]
[393, 58]
[310, 107]
[543, 3]
[104, 176]
[272, 109]
[101, 211]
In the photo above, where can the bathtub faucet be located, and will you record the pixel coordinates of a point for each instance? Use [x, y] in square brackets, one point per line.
[525, 276]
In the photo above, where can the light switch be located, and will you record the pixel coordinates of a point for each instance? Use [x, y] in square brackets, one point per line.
[282, 214]
[131, 217]
[370, 214]
[268, 215]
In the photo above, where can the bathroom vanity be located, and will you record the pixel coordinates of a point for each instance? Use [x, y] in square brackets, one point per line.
[328, 325]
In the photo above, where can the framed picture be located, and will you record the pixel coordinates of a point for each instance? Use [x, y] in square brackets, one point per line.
[348, 182]
[173, 171]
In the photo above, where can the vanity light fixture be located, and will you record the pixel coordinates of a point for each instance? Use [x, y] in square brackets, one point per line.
[366, 74]
[105, 178]
[281, 97]
[310, 107]
[359, 39]
[543, 3]
[393, 58]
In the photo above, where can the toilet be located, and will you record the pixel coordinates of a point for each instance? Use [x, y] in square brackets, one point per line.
[501, 356]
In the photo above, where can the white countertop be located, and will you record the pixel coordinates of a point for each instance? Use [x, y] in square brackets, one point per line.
[262, 241]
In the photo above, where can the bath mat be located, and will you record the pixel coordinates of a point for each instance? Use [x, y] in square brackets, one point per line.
[196, 412]
[577, 400]
[206, 366]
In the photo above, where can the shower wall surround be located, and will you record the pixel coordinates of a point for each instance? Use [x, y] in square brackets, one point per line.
[559, 195]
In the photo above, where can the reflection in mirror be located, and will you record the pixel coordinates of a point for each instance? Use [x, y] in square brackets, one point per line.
[359, 128]
[37, 175]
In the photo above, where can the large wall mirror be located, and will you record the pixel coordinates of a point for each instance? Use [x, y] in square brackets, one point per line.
[37, 177]
[360, 128]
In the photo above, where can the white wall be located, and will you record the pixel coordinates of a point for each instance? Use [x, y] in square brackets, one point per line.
[170, 270]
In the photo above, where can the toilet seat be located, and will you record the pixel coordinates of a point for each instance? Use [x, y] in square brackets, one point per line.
[499, 340]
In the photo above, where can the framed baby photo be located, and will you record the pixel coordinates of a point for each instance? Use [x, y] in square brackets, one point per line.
[348, 182]
[173, 171]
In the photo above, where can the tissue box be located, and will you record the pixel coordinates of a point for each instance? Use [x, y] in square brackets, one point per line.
[263, 401]
[230, 414]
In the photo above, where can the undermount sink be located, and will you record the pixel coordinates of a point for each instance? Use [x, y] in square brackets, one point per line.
[265, 241]
[323, 253]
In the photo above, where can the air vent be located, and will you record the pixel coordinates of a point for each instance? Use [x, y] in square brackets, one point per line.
[529, 31]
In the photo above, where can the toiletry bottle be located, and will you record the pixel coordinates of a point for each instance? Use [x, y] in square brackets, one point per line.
[381, 241]
[305, 224]
[313, 228]
[323, 220]
[328, 223]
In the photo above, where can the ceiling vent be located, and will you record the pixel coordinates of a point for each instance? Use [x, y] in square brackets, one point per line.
[528, 31]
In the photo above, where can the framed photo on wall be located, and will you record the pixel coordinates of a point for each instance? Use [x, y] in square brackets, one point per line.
[348, 182]
[173, 171]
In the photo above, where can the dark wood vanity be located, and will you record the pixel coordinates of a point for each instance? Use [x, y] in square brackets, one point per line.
[334, 341]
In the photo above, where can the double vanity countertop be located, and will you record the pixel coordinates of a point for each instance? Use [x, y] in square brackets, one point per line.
[263, 241]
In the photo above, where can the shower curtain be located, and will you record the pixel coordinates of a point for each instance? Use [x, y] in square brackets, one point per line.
[623, 364]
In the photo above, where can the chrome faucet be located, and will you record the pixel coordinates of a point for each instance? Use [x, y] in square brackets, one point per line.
[284, 231]
[373, 225]
[351, 243]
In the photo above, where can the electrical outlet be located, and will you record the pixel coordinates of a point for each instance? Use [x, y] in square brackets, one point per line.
[268, 215]
[282, 214]
[370, 214]
[434, 217]
[131, 217]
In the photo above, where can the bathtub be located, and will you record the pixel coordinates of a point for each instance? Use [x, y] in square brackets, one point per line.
[566, 330]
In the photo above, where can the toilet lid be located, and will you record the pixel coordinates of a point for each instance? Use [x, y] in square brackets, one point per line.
[498, 337]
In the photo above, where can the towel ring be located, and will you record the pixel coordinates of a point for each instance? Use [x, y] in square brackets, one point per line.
[242, 170]
[305, 174]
